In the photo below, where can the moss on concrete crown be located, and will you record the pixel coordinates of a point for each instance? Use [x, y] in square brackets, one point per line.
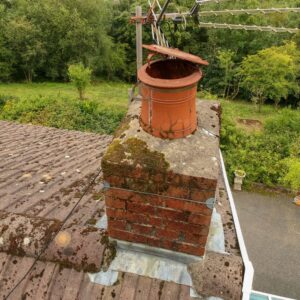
[134, 153]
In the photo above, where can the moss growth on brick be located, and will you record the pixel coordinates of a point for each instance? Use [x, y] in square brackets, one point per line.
[133, 153]
[123, 127]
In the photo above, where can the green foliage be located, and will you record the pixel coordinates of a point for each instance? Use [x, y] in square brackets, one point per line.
[81, 77]
[225, 58]
[57, 105]
[292, 178]
[261, 154]
[271, 73]
[208, 43]
[39, 39]
[67, 113]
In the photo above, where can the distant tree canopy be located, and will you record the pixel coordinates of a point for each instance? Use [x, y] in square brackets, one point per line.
[39, 39]
[271, 73]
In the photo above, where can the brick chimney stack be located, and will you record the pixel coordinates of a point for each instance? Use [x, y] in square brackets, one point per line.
[162, 167]
[162, 192]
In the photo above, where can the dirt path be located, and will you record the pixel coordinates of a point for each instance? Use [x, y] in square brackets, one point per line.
[271, 228]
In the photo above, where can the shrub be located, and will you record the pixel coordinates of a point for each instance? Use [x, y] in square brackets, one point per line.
[81, 77]
[292, 178]
[5, 98]
[66, 113]
[262, 154]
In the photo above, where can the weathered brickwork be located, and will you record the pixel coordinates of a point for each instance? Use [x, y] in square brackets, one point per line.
[164, 210]
[150, 202]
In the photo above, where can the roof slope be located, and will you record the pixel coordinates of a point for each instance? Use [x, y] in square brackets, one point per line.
[50, 281]
[44, 172]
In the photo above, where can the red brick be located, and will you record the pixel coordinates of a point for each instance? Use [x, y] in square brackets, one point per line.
[176, 226]
[174, 179]
[153, 242]
[201, 195]
[191, 238]
[156, 200]
[158, 178]
[135, 218]
[109, 193]
[139, 208]
[198, 195]
[142, 229]
[172, 214]
[137, 198]
[185, 180]
[119, 234]
[199, 229]
[167, 234]
[115, 180]
[127, 236]
[186, 227]
[199, 219]
[190, 249]
[203, 183]
[137, 238]
[115, 203]
[178, 192]
[195, 207]
[171, 245]
[115, 213]
[122, 194]
[195, 239]
[148, 199]
[157, 222]
[136, 184]
[116, 224]
[174, 203]
[139, 173]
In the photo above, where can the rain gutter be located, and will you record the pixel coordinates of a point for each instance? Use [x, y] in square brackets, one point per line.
[249, 270]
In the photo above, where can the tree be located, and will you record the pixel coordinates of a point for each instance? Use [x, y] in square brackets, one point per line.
[81, 77]
[225, 58]
[271, 73]
[42, 38]
[23, 38]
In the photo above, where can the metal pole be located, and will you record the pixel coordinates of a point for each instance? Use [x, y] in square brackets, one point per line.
[163, 11]
[139, 38]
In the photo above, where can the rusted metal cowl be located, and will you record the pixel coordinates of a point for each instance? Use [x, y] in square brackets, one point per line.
[168, 88]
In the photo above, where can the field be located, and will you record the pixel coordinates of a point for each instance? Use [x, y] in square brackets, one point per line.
[260, 143]
[57, 105]
[106, 93]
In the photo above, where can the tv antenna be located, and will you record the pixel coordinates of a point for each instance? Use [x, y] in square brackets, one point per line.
[157, 13]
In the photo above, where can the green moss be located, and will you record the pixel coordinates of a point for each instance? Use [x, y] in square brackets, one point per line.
[123, 127]
[91, 221]
[109, 253]
[134, 152]
[98, 196]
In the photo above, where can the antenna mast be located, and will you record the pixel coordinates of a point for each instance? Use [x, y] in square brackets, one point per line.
[157, 13]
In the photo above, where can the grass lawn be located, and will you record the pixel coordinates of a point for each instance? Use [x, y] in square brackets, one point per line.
[106, 93]
[57, 105]
[240, 109]
[113, 95]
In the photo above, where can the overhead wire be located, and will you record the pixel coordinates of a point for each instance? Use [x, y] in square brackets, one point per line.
[182, 16]
[233, 12]
[247, 27]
